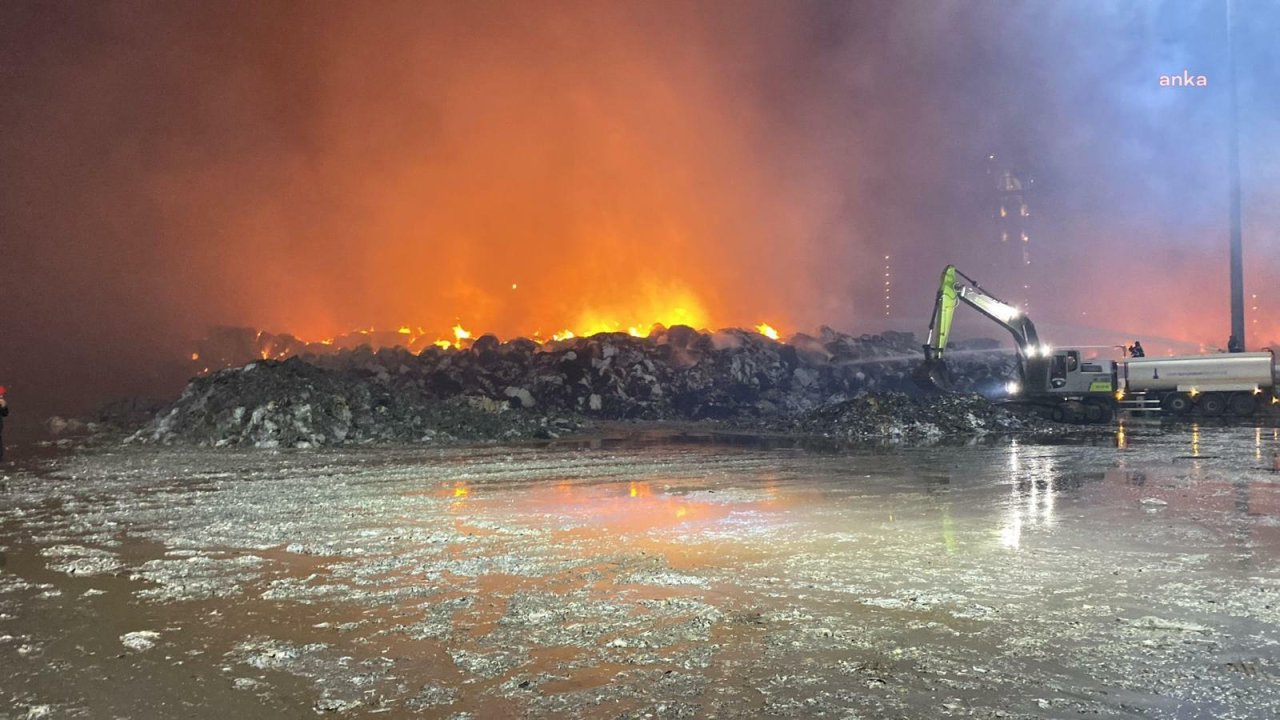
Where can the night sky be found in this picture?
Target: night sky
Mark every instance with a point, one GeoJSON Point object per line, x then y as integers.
{"type": "Point", "coordinates": [317, 167]}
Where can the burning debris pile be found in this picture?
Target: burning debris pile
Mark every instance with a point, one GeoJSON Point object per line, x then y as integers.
{"type": "Point", "coordinates": [225, 347]}
{"type": "Point", "coordinates": [517, 389]}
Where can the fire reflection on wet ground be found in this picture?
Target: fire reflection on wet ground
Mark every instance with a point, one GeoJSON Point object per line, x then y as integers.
{"type": "Point", "coordinates": [1127, 575]}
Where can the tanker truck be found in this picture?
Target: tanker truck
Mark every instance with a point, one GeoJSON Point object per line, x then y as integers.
{"type": "Point", "coordinates": [1066, 385]}
{"type": "Point", "coordinates": [1231, 383]}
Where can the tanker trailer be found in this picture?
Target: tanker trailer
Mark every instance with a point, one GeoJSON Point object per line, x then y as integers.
{"type": "Point", "coordinates": [1235, 383]}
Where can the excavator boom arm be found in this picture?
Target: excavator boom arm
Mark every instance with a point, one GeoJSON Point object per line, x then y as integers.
{"type": "Point", "coordinates": [952, 291]}
{"type": "Point", "coordinates": [944, 309]}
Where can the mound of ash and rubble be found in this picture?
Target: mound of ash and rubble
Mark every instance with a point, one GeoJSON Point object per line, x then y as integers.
{"type": "Point", "coordinates": [832, 384]}
{"type": "Point", "coordinates": [898, 416]}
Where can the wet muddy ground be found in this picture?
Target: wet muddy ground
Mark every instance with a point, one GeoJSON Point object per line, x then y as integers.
{"type": "Point", "coordinates": [1129, 576]}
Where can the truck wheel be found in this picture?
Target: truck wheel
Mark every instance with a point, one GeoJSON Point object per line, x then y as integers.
{"type": "Point", "coordinates": [1058, 414]}
{"type": "Point", "coordinates": [1176, 403]}
{"type": "Point", "coordinates": [1213, 404]}
{"type": "Point", "coordinates": [1242, 404]}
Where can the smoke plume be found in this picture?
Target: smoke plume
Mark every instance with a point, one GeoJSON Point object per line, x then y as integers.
{"type": "Point", "coordinates": [534, 167]}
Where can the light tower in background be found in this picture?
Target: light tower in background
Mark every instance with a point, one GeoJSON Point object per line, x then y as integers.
{"type": "Point", "coordinates": [1011, 261]}
{"type": "Point", "coordinates": [888, 289]}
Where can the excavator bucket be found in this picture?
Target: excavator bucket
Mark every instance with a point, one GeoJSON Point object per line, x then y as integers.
{"type": "Point", "coordinates": [932, 376]}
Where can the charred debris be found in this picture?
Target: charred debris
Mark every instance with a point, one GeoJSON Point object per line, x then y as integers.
{"type": "Point", "coordinates": [831, 385]}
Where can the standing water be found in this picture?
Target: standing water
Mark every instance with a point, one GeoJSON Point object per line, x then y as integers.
{"type": "Point", "coordinates": [1132, 575]}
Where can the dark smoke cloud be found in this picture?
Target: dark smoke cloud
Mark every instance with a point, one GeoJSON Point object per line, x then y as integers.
{"type": "Point", "coordinates": [317, 167]}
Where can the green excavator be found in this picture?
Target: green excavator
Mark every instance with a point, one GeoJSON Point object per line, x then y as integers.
{"type": "Point", "coordinates": [1059, 383]}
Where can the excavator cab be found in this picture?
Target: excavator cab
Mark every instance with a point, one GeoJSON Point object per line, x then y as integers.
{"type": "Point", "coordinates": [1063, 363]}
{"type": "Point", "coordinates": [1070, 374]}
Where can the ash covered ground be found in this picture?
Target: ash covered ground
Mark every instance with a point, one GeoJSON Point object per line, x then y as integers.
{"type": "Point", "coordinates": [832, 384]}
{"type": "Point", "coordinates": [1133, 576]}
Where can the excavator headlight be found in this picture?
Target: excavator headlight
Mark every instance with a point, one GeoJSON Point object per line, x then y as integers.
{"type": "Point", "coordinates": [1030, 351]}
{"type": "Point", "coordinates": [1013, 387]}
{"type": "Point", "coordinates": [1046, 350]}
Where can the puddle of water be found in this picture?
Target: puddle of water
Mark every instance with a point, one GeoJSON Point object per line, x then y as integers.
{"type": "Point", "coordinates": [667, 577]}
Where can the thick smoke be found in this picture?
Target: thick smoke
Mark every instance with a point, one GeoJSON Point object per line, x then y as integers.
{"type": "Point", "coordinates": [315, 168]}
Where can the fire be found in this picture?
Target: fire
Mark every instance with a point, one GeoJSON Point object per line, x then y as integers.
{"type": "Point", "coordinates": [663, 304]}
{"type": "Point", "coordinates": [638, 313]}
{"type": "Point", "coordinates": [221, 349]}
